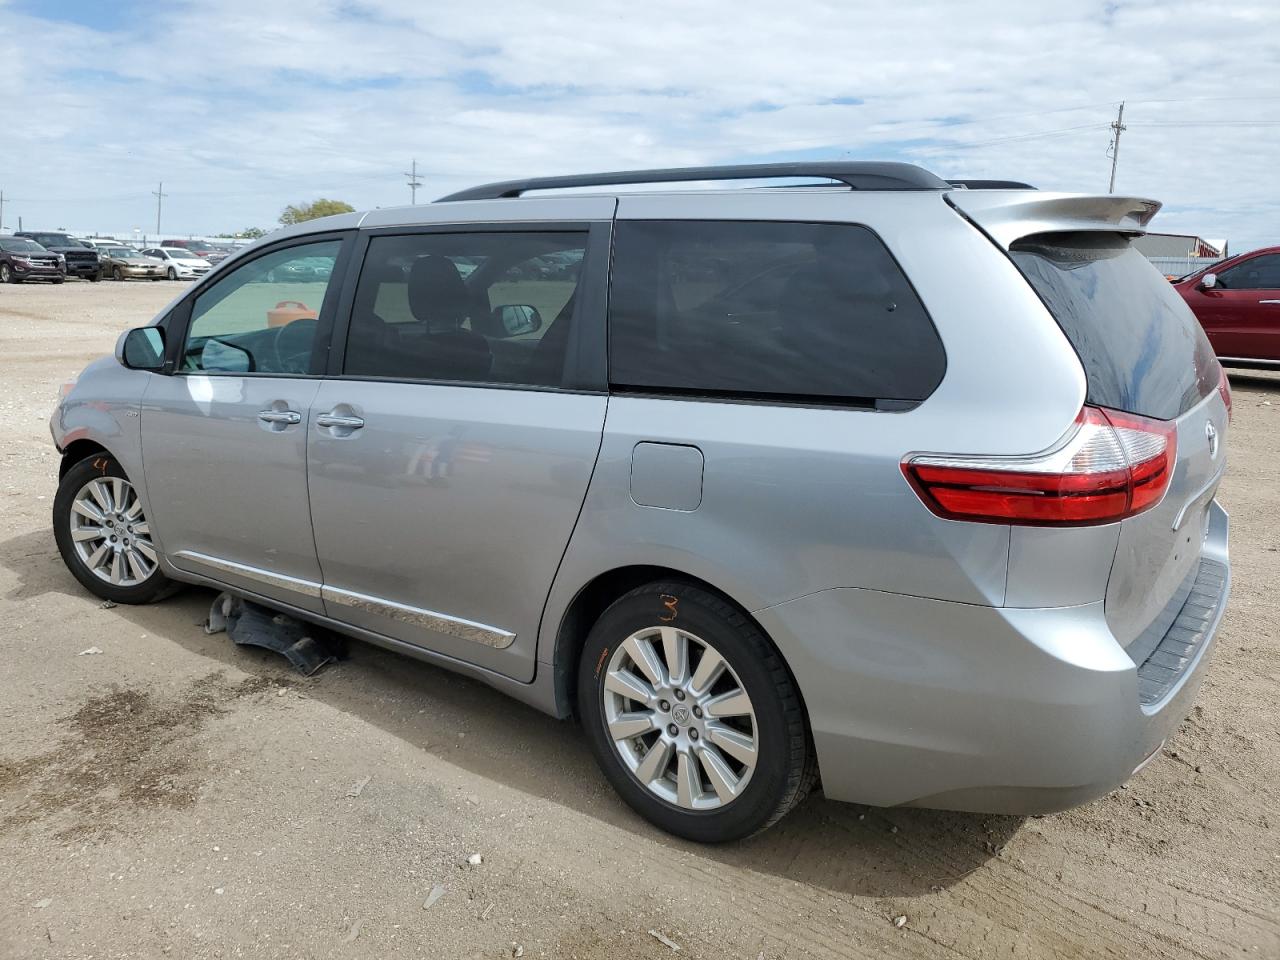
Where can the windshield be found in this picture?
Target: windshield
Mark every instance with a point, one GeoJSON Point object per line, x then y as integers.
{"type": "Point", "coordinates": [21, 246]}
{"type": "Point", "coordinates": [1142, 349]}
{"type": "Point", "coordinates": [119, 252]}
{"type": "Point", "coordinates": [54, 240]}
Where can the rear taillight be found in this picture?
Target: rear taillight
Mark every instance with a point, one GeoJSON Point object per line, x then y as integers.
{"type": "Point", "coordinates": [1111, 466]}
{"type": "Point", "coordinates": [1224, 390]}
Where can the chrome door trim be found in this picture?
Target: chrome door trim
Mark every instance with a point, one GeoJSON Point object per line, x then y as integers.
{"type": "Point", "coordinates": [308, 588]}
{"type": "Point", "coordinates": [416, 616]}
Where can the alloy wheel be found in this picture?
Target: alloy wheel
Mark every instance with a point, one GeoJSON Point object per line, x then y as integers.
{"type": "Point", "coordinates": [680, 719]}
{"type": "Point", "coordinates": [110, 534]}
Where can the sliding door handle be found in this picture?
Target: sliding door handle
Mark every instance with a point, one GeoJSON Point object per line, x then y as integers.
{"type": "Point", "coordinates": [335, 420]}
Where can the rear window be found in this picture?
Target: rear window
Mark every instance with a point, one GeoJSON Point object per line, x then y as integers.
{"type": "Point", "coordinates": [798, 311]}
{"type": "Point", "coordinates": [1142, 348]}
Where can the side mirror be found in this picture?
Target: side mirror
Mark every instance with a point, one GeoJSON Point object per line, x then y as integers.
{"type": "Point", "coordinates": [142, 348]}
{"type": "Point", "coordinates": [1208, 281]}
{"type": "Point", "coordinates": [516, 319]}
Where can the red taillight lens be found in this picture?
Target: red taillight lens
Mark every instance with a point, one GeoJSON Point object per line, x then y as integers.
{"type": "Point", "coordinates": [1111, 466]}
{"type": "Point", "coordinates": [1224, 390]}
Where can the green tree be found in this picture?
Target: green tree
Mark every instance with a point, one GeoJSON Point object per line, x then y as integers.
{"type": "Point", "coordinates": [309, 211]}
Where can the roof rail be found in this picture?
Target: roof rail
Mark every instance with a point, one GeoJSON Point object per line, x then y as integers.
{"type": "Point", "coordinates": [859, 175]}
{"type": "Point", "coordinates": [991, 185]}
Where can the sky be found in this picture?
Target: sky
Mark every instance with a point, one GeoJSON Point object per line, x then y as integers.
{"type": "Point", "coordinates": [241, 108]}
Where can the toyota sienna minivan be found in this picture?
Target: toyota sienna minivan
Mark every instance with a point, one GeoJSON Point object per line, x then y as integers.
{"type": "Point", "coordinates": [895, 484]}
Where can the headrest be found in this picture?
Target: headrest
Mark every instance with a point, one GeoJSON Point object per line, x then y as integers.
{"type": "Point", "coordinates": [437, 295]}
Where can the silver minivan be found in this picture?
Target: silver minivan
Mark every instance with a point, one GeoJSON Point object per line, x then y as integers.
{"type": "Point", "coordinates": [897, 484]}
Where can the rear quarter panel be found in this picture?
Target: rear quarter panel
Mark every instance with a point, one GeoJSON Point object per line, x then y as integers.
{"type": "Point", "coordinates": [799, 499]}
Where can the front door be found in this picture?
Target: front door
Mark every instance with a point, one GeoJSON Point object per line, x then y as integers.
{"type": "Point", "coordinates": [1241, 313]}
{"type": "Point", "coordinates": [449, 460]}
{"type": "Point", "coordinates": [224, 437]}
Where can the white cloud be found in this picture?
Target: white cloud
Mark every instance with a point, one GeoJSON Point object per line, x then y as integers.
{"type": "Point", "coordinates": [243, 107]}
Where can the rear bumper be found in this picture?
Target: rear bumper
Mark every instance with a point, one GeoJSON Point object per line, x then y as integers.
{"type": "Point", "coordinates": [960, 706]}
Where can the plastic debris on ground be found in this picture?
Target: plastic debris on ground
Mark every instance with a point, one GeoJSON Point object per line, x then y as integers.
{"type": "Point", "coordinates": [308, 648]}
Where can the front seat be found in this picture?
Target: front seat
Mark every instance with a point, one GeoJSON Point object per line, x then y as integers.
{"type": "Point", "coordinates": [439, 300]}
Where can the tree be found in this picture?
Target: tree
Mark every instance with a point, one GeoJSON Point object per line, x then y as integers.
{"type": "Point", "coordinates": [248, 233]}
{"type": "Point", "coordinates": [309, 211]}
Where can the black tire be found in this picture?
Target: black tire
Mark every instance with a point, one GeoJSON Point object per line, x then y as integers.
{"type": "Point", "coordinates": [786, 768]}
{"type": "Point", "coordinates": [173, 274]}
{"type": "Point", "coordinates": [94, 278]}
{"type": "Point", "coordinates": [156, 587]}
{"type": "Point", "coordinates": [6, 274]}
{"type": "Point", "coordinates": [118, 274]}
{"type": "Point", "coordinates": [58, 279]}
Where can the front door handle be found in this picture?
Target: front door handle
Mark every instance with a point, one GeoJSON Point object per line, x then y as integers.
{"type": "Point", "coordinates": [336, 420]}
{"type": "Point", "coordinates": [280, 416]}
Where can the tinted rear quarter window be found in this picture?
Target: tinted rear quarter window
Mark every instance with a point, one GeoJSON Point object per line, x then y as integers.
{"type": "Point", "coordinates": [1142, 349]}
{"type": "Point", "coordinates": [768, 310]}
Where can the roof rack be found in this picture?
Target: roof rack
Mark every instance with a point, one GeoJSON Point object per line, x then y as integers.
{"type": "Point", "coordinates": [861, 175]}
{"type": "Point", "coordinates": [991, 185]}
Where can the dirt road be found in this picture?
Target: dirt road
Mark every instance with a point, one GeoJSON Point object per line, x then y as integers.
{"type": "Point", "coordinates": [174, 795]}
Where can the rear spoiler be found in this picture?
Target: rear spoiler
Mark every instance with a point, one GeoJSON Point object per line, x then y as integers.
{"type": "Point", "coordinates": [1007, 215]}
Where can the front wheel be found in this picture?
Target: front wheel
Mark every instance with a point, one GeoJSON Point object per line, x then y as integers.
{"type": "Point", "coordinates": [692, 715]}
{"type": "Point", "coordinates": [173, 274]}
{"type": "Point", "coordinates": [6, 274]}
{"type": "Point", "coordinates": [94, 278]}
{"type": "Point", "coordinates": [104, 536]}
{"type": "Point", "coordinates": [119, 273]}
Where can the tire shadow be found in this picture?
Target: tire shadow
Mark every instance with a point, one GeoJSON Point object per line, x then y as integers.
{"type": "Point", "coordinates": [846, 848]}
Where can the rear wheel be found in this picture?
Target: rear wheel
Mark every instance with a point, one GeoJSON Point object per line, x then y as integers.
{"type": "Point", "coordinates": [692, 715]}
{"type": "Point", "coordinates": [104, 535]}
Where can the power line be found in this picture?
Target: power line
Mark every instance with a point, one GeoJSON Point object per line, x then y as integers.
{"type": "Point", "coordinates": [1061, 131]}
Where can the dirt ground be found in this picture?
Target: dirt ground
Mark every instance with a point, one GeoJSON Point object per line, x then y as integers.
{"type": "Point", "coordinates": [175, 795]}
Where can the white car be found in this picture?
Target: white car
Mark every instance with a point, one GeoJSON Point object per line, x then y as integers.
{"type": "Point", "coordinates": [181, 264]}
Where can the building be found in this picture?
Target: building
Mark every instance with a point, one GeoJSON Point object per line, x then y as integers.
{"type": "Point", "coordinates": [1180, 246]}
{"type": "Point", "coordinates": [1176, 254]}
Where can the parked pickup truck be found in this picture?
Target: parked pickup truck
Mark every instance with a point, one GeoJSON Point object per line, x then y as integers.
{"type": "Point", "coordinates": [82, 258]}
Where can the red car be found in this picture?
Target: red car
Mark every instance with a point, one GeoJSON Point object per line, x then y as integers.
{"type": "Point", "coordinates": [1237, 301]}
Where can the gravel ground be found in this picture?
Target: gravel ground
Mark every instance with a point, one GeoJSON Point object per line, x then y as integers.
{"type": "Point", "coordinates": [174, 795]}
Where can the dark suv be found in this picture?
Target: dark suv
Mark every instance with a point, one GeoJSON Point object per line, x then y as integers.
{"type": "Point", "coordinates": [82, 259]}
{"type": "Point", "coordinates": [22, 259]}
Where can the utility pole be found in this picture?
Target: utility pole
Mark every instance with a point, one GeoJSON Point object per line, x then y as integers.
{"type": "Point", "coordinates": [1, 209]}
{"type": "Point", "coordinates": [1118, 127]}
{"type": "Point", "coordinates": [159, 195]}
{"type": "Point", "coordinates": [414, 182]}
